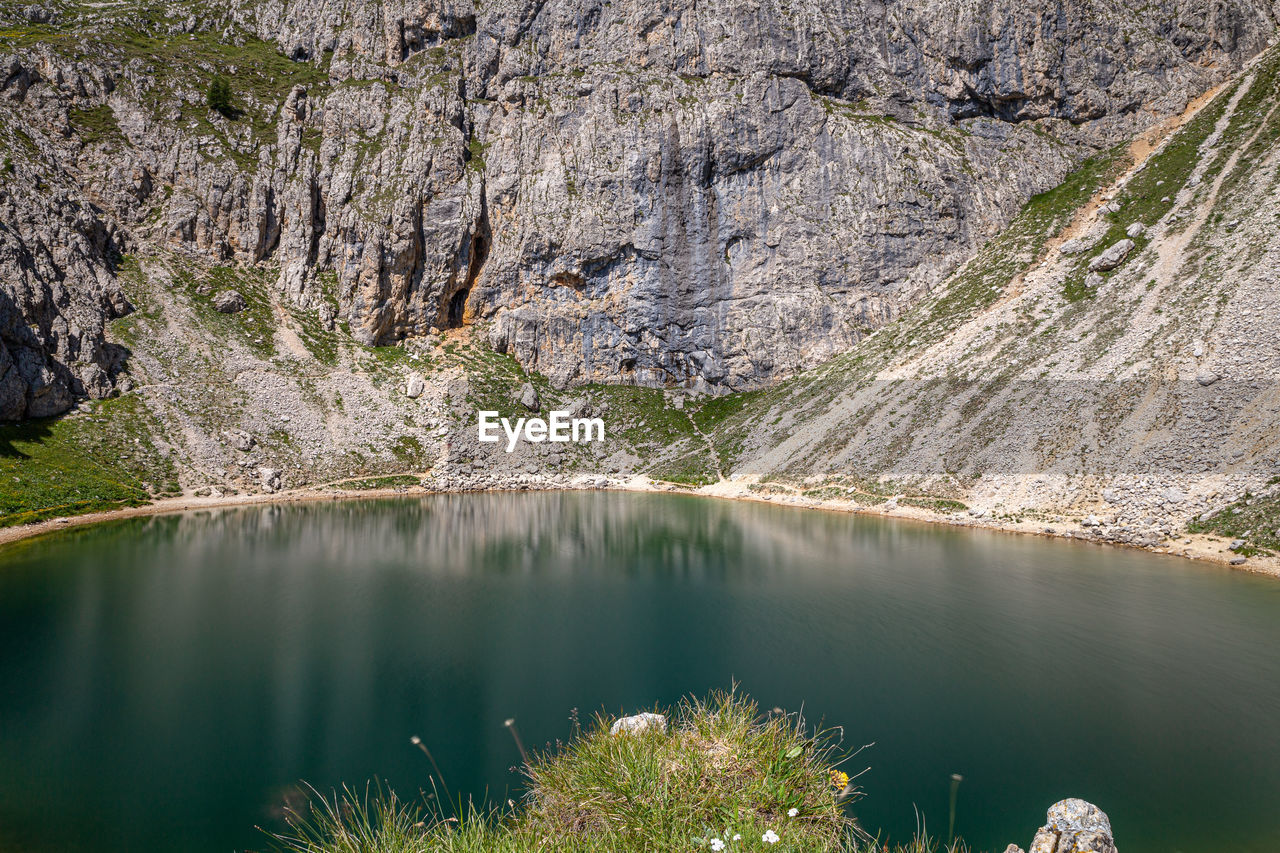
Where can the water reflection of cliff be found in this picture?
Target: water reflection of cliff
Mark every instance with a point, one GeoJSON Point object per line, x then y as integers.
{"type": "Point", "coordinates": [568, 532]}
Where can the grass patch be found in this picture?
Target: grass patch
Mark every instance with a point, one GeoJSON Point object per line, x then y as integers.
{"type": "Point", "coordinates": [935, 504]}
{"type": "Point", "coordinates": [97, 124]}
{"type": "Point", "coordinates": [255, 326]}
{"type": "Point", "coordinates": [1254, 519]}
{"type": "Point", "coordinates": [394, 481]}
{"type": "Point", "coordinates": [82, 463]}
{"type": "Point", "coordinates": [1143, 198]}
{"type": "Point", "coordinates": [722, 769]}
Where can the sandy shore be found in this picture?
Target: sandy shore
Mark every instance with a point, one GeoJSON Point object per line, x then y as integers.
{"type": "Point", "coordinates": [1189, 545]}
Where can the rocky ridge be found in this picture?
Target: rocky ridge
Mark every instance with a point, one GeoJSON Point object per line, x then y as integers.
{"type": "Point", "coordinates": [703, 195]}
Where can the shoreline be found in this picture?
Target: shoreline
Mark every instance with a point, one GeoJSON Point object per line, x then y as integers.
{"type": "Point", "coordinates": [1190, 546]}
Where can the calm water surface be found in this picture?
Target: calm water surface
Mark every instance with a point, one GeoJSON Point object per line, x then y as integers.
{"type": "Point", "coordinates": [165, 683]}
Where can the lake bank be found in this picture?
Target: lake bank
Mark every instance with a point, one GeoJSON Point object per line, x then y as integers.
{"type": "Point", "coordinates": [1192, 546]}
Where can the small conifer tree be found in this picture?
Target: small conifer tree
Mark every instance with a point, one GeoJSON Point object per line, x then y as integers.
{"type": "Point", "coordinates": [220, 96]}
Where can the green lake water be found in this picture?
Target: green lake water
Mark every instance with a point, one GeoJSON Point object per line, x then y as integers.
{"type": "Point", "coordinates": [165, 683]}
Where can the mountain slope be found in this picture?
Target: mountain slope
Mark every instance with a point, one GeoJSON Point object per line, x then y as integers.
{"type": "Point", "coordinates": [1145, 395]}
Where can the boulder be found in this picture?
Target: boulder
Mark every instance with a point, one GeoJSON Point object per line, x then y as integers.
{"type": "Point", "coordinates": [1074, 826]}
{"type": "Point", "coordinates": [1112, 257]}
{"type": "Point", "coordinates": [528, 397]}
{"type": "Point", "coordinates": [270, 479]}
{"type": "Point", "coordinates": [240, 440]}
{"type": "Point", "coordinates": [1135, 230]}
{"type": "Point", "coordinates": [639, 724]}
{"type": "Point", "coordinates": [229, 302]}
{"type": "Point", "coordinates": [414, 386]}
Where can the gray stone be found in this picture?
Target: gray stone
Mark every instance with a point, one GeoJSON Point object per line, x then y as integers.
{"type": "Point", "coordinates": [528, 397]}
{"type": "Point", "coordinates": [240, 440]}
{"type": "Point", "coordinates": [639, 723]}
{"type": "Point", "coordinates": [1093, 280]}
{"type": "Point", "coordinates": [270, 479]}
{"type": "Point", "coordinates": [229, 302]}
{"type": "Point", "coordinates": [1074, 826]}
{"type": "Point", "coordinates": [1207, 378]}
{"type": "Point", "coordinates": [1135, 230]}
{"type": "Point", "coordinates": [1112, 257]}
{"type": "Point", "coordinates": [414, 386]}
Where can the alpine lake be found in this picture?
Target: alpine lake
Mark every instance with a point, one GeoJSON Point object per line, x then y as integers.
{"type": "Point", "coordinates": [169, 682]}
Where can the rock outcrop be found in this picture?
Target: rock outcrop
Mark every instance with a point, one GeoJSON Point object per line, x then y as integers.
{"type": "Point", "coordinates": [702, 194]}
{"type": "Point", "coordinates": [1072, 826]}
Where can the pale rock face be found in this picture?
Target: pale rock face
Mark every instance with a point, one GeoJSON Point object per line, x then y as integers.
{"type": "Point", "coordinates": [700, 194]}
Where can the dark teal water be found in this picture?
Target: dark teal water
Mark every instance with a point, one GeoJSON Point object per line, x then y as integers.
{"type": "Point", "coordinates": [165, 683]}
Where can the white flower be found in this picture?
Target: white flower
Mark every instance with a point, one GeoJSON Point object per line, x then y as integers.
{"type": "Point", "coordinates": [736, 837]}
{"type": "Point", "coordinates": [717, 844]}
{"type": "Point", "coordinates": [792, 812]}
{"type": "Point", "coordinates": [769, 837]}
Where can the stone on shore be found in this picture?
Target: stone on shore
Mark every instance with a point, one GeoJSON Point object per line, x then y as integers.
{"type": "Point", "coordinates": [1074, 826]}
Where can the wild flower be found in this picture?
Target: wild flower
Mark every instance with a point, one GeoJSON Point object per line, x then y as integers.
{"type": "Point", "coordinates": [769, 837]}
{"type": "Point", "coordinates": [717, 844]}
{"type": "Point", "coordinates": [736, 837]}
{"type": "Point", "coordinates": [839, 780]}
{"type": "Point", "coordinates": [792, 812]}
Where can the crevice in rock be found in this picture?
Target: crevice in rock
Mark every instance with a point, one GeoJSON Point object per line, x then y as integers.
{"type": "Point", "coordinates": [453, 308]}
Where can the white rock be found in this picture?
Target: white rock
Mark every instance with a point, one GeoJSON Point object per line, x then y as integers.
{"type": "Point", "coordinates": [1207, 378]}
{"type": "Point", "coordinates": [270, 478]}
{"type": "Point", "coordinates": [528, 397]}
{"type": "Point", "coordinates": [638, 724]}
{"type": "Point", "coordinates": [1137, 229]}
{"type": "Point", "coordinates": [1112, 257]}
{"type": "Point", "coordinates": [414, 387]}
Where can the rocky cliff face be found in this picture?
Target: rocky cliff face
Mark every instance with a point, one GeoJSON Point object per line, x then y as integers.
{"type": "Point", "coordinates": [677, 193]}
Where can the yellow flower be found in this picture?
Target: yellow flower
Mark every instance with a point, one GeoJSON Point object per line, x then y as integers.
{"type": "Point", "coordinates": [839, 780]}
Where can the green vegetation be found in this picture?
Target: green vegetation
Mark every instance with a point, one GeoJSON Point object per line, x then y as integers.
{"type": "Point", "coordinates": [723, 769]}
{"type": "Point", "coordinates": [1150, 193]}
{"type": "Point", "coordinates": [1253, 519]}
{"type": "Point", "coordinates": [255, 326]}
{"type": "Point", "coordinates": [97, 124]}
{"type": "Point", "coordinates": [219, 97]}
{"type": "Point", "coordinates": [102, 460]}
{"type": "Point", "coordinates": [395, 481]}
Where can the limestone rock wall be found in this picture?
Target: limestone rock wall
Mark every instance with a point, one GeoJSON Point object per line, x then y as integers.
{"type": "Point", "coordinates": [711, 194]}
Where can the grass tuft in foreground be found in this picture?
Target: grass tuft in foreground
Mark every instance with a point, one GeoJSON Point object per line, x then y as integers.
{"type": "Point", "coordinates": [724, 776]}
